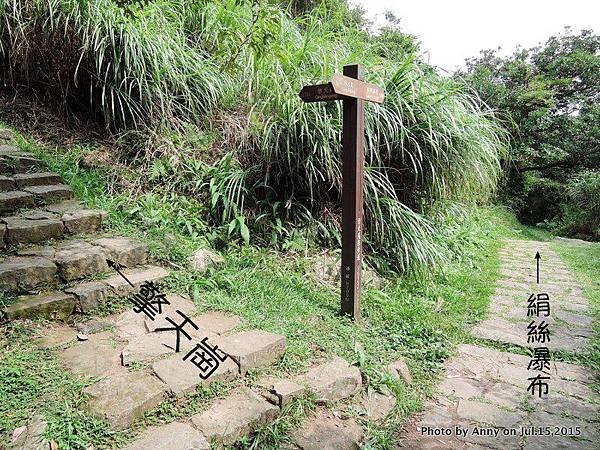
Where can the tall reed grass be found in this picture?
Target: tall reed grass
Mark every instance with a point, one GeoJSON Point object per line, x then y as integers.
{"type": "Point", "coordinates": [173, 62]}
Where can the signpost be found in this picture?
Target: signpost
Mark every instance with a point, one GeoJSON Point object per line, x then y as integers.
{"type": "Point", "coordinates": [353, 91]}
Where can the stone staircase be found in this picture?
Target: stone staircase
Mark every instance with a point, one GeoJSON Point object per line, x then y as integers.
{"type": "Point", "coordinates": [50, 246]}
{"type": "Point", "coordinates": [138, 369]}
{"type": "Point", "coordinates": [54, 266]}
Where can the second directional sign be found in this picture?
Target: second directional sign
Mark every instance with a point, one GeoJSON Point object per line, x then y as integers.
{"type": "Point", "coordinates": [342, 86]}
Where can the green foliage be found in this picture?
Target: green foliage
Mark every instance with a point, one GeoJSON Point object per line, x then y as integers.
{"type": "Point", "coordinates": [583, 258]}
{"type": "Point", "coordinates": [582, 212]}
{"type": "Point", "coordinates": [548, 96]}
{"type": "Point", "coordinates": [274, 164]}
{"type": "Point", "coordinates": [33, 382]}
{"type": "Point", "coordinates": [129, 65]}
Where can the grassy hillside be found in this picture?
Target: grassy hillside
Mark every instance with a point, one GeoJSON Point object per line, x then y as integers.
{"type": "Point", "coordinates": [203, 97]}
{"type": "Point", "coordinates": [420, 317]}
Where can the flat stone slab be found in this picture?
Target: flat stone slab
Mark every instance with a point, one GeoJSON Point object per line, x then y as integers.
{"type": "Point", "coordinates": [24, 180]}
{"type": "Point", "coordinates": [488, 389]}
{"type": "Point", "coordinates": [56, 336]}
{"type": "Point", "coordinates": [95, 325]}
{"type": "Point", "coordinates": [64, 207]}
{"type": "Point", "coordinates": [281, 391]}
{"type": "Point", "coordinates": [217, 322]}
{"type": "Point", "coordinates": [24, 230]}
{"type": "Point", "coordinates": [129, 324]}
{"type": "Point", "coordinates": [97, 356]}
{"type": "Point", "coordinates": [79, 259]}
{"type": "Point", "coordinates": [377, 406]}
{"type": "Point", "coordinates": [20, 274]}
{"type": "Point", "coordinates": [8, 149]}
{"type": "Point", "coordinates": [126, 251]}
{"type": "Point", "coordinates": [174, 435]}
{"type": "Point", "coordinates": [176, 302]}
{"type": "Point", "coordinates": [238, 415]}
{"type": "Point", "coordinates": [90, 294]}
{"type": "Point", "coordinates": [151, 346]}
{"type": "Point", "coordinates": [136, 277]}
{"type": "Point", "coordinates": [324, 431]}
{"type": "Point", "coordinates": [183, 376]}
{"type": "Point", "coordinates": [13, 200]}
{"type": "Point", "coordinates": [82, 221]}
{"type": "Point", "coordinates": [56, 305]}
{"type": "Point", "coordinates": [332, 381]}
{"type": "Point", "coordinates": [255, 348]}
{"type": "Point", "coordinates": [124, 397]}
{"type": "Point", "coordinates": [562, 337]}
{"type": "Point", "coordinates": [50, 193]}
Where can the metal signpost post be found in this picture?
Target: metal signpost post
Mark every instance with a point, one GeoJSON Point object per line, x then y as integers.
{"type": "Point", "coordinates": [353, 91]}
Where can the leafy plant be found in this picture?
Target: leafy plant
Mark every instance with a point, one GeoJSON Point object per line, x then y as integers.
{"type": "Point", "coordinates": [233, 70]}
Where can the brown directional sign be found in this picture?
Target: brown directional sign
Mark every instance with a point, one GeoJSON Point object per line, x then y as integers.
{"type": "Point", "coordinates": [350, 88]}
{"type": "Point", "coordinates": [319, 93]}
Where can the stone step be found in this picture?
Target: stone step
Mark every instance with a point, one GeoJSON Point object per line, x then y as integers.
{"type": "Point", "coordinates": [23, 180]}
{"type": "Point", "coordinates": [39, 272]}
{"type": "Point", "coordinates": [234, 417]}
{"type": "Point", "coordinates": [253, 348]}
{"type": "Point", "coordinates": [323, 430]}
{"type": "Point", "coordinates": [333, 380]}
{"type": "Point", "coordinates": [56, 305]}
{"type": "Point", "coordinates": [7, 184]}
{"type": "Point", "coordinates": [97, 356]}
{"type": "Point", "coordinates": [170, 436]}
{"type": "Point", "coordinates": [125, 251]}
{"type": "Point", "coordinates": [39, 225]}
{"type": "Point", "coordinates": [137, 277]}
{"type": "Point", "coordinates": [32, 227]}
{"type": "Point", "coordinates": [15, 200]}
{"type": "Point", "coordinates": [51, 193]}
{"type": "Point", "coordinates": [77, 218]}
{"type": "Point", "coordinates": [123, 397]}
{"type": "Point", "coordinates": [90, 294]}
{"type": "Point", "coordinates": [22, 274]}
{"type": "Point", "coordinates": [40, 266]}
{"type": "Point", "coordinates": [13, 162]}
{"type": "Point", "coordinates": [280, 391]}
{"type": "Point", "coordinates": [29, 196]}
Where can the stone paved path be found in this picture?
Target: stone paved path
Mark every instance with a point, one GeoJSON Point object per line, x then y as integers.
{"type": "Point", "coordinates": [484, 392]}
{"type": "Point", "coordinates": [570, 323]}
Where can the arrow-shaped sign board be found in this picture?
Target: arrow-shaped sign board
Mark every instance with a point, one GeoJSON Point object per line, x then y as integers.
{"type": "Point", "coordinates": [319, 93]}
{"type": "Point", "coordinates": [342, 86]}
{"type": "Point", "coordinates": [351, 87]}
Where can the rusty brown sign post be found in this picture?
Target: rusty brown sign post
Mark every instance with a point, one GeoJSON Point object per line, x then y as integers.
{"type": "Point", "coordinates": [353, 91]}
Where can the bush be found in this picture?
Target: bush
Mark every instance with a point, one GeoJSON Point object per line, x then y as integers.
{"type": "Point", "coordinates": [541, 199]}
{"type": "Point", "coordinates": [234, 69]}
{"type": "Point", "coordinates": [581, 214]}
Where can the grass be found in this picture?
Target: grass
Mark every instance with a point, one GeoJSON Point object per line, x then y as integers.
{"type": "Point", "coordinates": [584, 261]}
{"type": "Point", "coordinates": [33, 382]}
{"type": "Point", "coordinates": [421, 317]}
